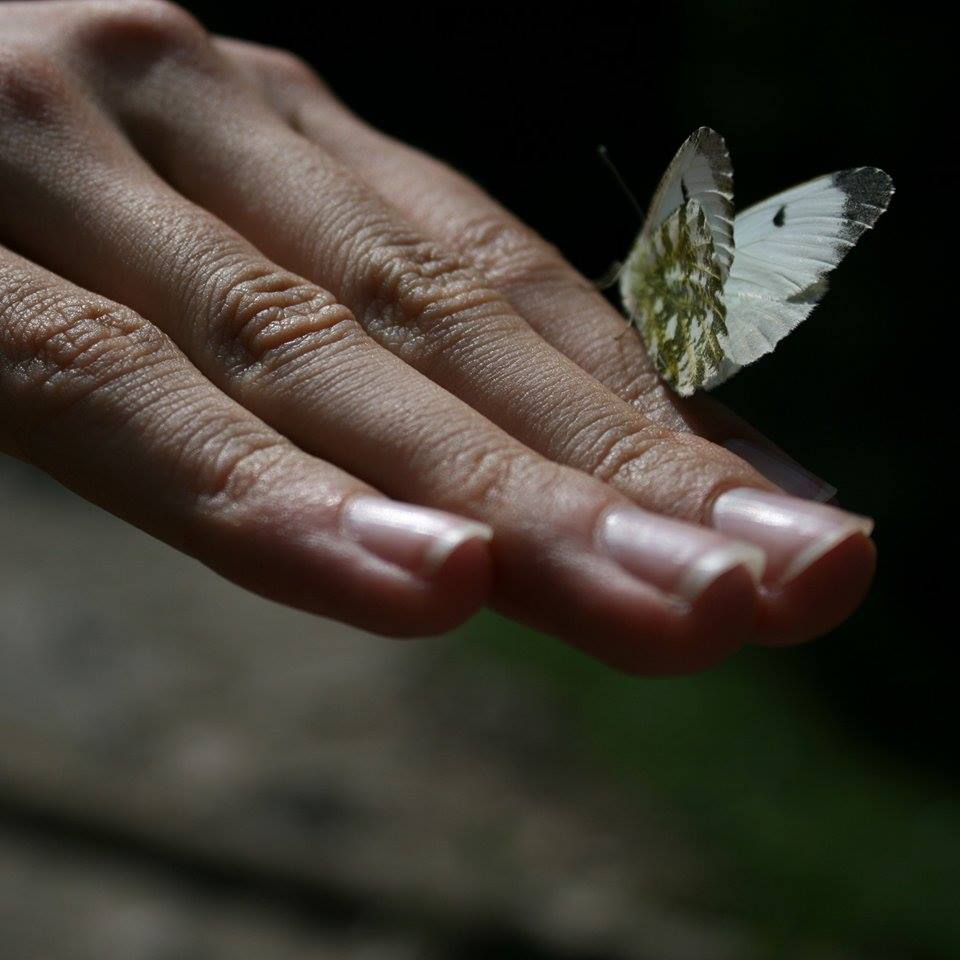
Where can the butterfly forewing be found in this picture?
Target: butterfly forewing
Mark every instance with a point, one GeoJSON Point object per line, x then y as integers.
{"type": "Point", "coordinates": [785, 247]}
{"type": "Point", "coordinates": [673, 293]}
{"type": "Point", "coordinates": [702, 171]}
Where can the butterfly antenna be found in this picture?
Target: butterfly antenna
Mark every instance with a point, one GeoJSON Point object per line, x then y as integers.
{"type": "Point", "coordinates": [605, 157]}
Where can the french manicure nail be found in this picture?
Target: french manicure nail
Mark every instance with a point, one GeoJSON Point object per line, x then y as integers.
{"type": "Point", "coordinates": [780, 469]}
{"type": "Point", "coordinates": [676, 557]}
{"type": "Point", "coordinates": [416, 538]}
{"type": "Point", "coordinates": [793, 533]}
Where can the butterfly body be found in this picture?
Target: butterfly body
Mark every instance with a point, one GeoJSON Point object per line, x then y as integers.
{"type": "Point", "coordinates": [710, 292]}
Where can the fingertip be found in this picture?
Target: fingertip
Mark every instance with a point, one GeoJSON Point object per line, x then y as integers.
{"type": "Point", "coordinates": [713, 628]}
{"type": "Point", "coordinates": [467, 571]}
{"type": "Point", "coordinates": [650, 633]}
{"type": "Point", "coordinates": [822, 596]}
{"type": "Point", "coordinates": [389, 568]}
{"type": "Point", "coordinates": [450, 595]}
{"type": "Point", "coordinates": [723, 619]}
{"type": "Point", "coordinates": [820, 560]}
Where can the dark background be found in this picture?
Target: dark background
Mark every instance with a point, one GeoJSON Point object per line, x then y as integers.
{"type": "Point", "coordinates": [519, 96]}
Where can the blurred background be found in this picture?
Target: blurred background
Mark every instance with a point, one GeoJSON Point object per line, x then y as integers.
{"type": "Point", "coordinates": [187, 771]}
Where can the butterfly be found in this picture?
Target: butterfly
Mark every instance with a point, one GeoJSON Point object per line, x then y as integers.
{"type": "Point", "coordinates": [710, 292]}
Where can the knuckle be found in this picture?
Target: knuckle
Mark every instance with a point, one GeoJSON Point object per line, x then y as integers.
{"type": "Point", "coordinates": [419, 293]}
{"type": "Point", "coordinates": [645, 390]}
{"type": "Point", "coordinates": [488, 478]}
{"type": "Point", "coordinates": [69, 348]}
{"type": "Point", "coordinates": [129, 35]}
{"type": "Point", "coordinates": [156, 22]}
{"type": "Point", "coordinates": [634, 378]}
{"type": "Point", "coordinates": [509, 253]}
{"type": "Point", "coordinates": [231, 468]}
{"type": "Point", "coordinates": [676, 474]}
{"type": "Point", "coordinates": [33, 86]}
{"type": "Point", "coordinates": [631, 375]}
{"type": "Point", "coordinates": [616, 452]}
{"type": "Point", "coordinates": [92, 341]}
{"type": "Point", "coordinates": [263, 317]}
{"type": "Point", "coordinates": [608, 450]}
{"type": "Point", "coordinates": [287, 67]}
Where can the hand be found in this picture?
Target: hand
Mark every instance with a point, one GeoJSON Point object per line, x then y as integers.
{"type": "Point", "coordinates": [242, 320]}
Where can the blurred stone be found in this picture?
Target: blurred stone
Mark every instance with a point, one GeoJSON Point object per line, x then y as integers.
{"type": "Point", "coordinates": [57, 904]}
{"type": "Point", "coordinates": [144, 698]}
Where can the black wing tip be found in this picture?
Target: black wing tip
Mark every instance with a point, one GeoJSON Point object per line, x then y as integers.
{"type": "Point", "coordinates": [866, 194]}
{"type": "Point", "coordinates": [707, 135]}
{"type": "Point", "coordinates": [868, 186]}
{"type": "Point", "coordinates": [708, 142]}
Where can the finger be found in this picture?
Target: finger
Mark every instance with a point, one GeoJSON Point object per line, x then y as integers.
{"type": "Point", "coordinates": [107, 404]}
{"type": "Point", "coordinates": [571, 556]}
{"type": "Point", "coordinates": [558, 302]}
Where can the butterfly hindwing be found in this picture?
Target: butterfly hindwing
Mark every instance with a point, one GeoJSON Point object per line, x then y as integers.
{"type": "Point", "coordinates": [785, 247]}
{"type": "Point", "coordinates": [673, 292]}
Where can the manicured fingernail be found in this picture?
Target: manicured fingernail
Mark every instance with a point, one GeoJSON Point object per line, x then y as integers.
{"type": "Point", "coordinates": [676, 557]}
{"type": "Point", "coordinates": [778, 468]}
{"type": "Point", "coordinates": [416, 538]}
{"type": "Point", "coordinates": [793, 533]}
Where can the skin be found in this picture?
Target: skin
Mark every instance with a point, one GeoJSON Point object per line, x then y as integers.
{"type": "Point", "coordinates": [228, 306]}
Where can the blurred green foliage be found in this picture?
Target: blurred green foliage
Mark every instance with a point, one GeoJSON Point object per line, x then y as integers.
{"type": "Point", "coordinates": [822, 839]}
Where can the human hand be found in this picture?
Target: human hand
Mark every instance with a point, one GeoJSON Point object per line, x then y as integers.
{"type": "Point", "coordinates": [241, 319]}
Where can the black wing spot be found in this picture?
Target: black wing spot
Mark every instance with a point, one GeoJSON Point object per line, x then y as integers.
{"type": "Point", "coordinates": [684, 192]}
{"type": "Point", "coordinates": [780, 217]}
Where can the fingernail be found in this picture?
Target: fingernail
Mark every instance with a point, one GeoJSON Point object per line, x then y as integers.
{"type": "Point", "coordinates": [677, 557]}
{"type": "Point", "coordinates": [793, 533]}
{"type": "Point", "coordinates": [780, 469]}
{"type": "Point", "coordinates": [416, 538]}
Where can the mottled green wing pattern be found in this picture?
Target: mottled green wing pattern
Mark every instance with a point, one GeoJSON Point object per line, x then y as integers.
{"type": "Point", "coordinates": [673, 293]}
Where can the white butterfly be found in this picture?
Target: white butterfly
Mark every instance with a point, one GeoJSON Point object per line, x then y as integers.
{"type": "Point", "coordinates": [710, 292]}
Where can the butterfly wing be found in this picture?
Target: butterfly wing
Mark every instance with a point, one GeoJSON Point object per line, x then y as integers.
{"type": "Point", "coordinates": [785, 247]}
{"type": "Point", "coordinates": [701, 170]}
{"type": "Point", "coordinates": [673, 293]}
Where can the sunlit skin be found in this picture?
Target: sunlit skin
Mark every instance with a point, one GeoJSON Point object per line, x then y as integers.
{"type": "Point", "coordinates": [232, 313]}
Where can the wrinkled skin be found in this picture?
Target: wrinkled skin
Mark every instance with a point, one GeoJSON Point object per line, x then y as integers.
{"type": "Point", "coordinates": [228, 308]}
